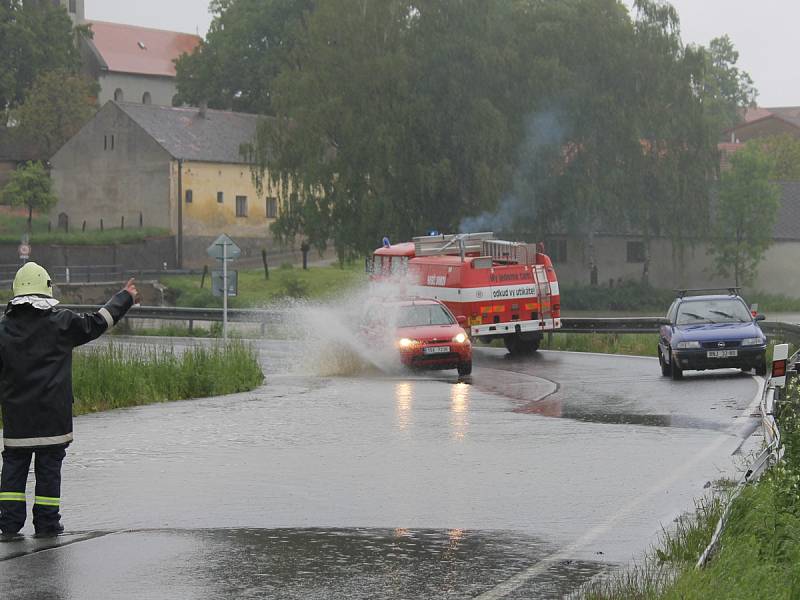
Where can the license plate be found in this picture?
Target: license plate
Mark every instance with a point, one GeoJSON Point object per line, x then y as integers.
{"type": "Point", "coordinates": [437, 350]}
{"type": "Point", "coordinates": [722, 353]}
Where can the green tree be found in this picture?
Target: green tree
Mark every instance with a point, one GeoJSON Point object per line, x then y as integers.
{"type": "Point", "coordinates": [726, 89]}
{"type": "Point", "coordinates": [30, 186]}
{"type": "Point", "coordinates": [784, 152]}
{"type": "Point", "coordinates": [35, 36]}
{"type": "Point", "coordinates": [247, 45]}
{"type": "Point", "coordinates": [56, 107]}
{"type": "Point", "coordinates": [745, 215]}
{"type": "Point", "coordinates": [401, 117]}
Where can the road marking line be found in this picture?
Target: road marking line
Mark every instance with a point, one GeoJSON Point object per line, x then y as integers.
{"type": "Point", "coordinates": [517, 581]}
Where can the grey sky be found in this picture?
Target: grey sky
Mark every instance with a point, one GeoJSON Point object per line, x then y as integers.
{"type": "Point", "coordinates": [764, 32]}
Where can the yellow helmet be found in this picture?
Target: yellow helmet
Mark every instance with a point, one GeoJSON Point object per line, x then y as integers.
{"type": "Point", "coordinates": [32, 279]}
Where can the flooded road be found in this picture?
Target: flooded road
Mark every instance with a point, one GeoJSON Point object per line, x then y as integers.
{"type": "Point", "coordinates": [523, 482]}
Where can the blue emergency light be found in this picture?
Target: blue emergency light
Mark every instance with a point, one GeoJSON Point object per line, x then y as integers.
{"type": "Point", "coordinates": [386, 242]}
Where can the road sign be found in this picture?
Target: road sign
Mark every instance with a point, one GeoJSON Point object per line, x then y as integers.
{"type": "Point", "coordinates": [217, 285]}
{"type": "Point", "coordinates": [24, 251]}
{"type": "Point", "coordinates": [224, 245]}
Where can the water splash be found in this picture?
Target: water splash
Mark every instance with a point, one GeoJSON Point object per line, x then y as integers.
{"type": "Point", "coordinates": [354, 334]}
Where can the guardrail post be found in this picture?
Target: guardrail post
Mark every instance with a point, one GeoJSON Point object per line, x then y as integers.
{"type": "Point", "coordinates": [191, 325]}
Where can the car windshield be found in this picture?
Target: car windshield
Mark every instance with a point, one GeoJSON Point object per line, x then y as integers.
{"type": "Point", "coordinates": [713, 311]}
{"type": "Point", "coordinates": [423, 314]}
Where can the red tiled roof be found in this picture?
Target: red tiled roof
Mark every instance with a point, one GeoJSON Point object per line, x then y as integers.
{"type": "Point", "coordinates": [131, 49]}
{"type": "Point", "coordinates": [755, 113]}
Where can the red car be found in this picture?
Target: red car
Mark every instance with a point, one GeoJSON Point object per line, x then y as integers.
{"type": "Point", "coordinates": [427, 335]}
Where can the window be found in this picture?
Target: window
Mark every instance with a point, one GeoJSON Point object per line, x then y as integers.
{"type": "Point", "coordinates": [146, 99]}
{"type": "Point", "coordinates": [635, 252]}
{"type": "Point", "coordinates": [220, 197]}
{"type": "Point", "coordinates": [557, 250]}
{"type": "Point", "coordinates": [118, 95]}
{"type": "Point", "coordinates": [241, 206]}
{"type": "Point", "coordinates": [105, 142]}
{"type": "Point", "coordinates": [272, 208]}
{"type": "Point", "coordinates": [188, 196]}
{"type": "Point", "coordinates": [108, 142]}
{"type": "Point", "coordinates": [72, 8]}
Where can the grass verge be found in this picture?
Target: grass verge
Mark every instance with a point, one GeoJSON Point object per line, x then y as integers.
{"type": "Point", "coordinates": [632, 344]}
{"type": "Point", "coordinates": [115, 377]}
{"type": "Point", "coordinates": [256, 291]}
{"type": "Point", "coordinates": [759, 551]}
{"type": "Point", "coordinates": [13, 225]}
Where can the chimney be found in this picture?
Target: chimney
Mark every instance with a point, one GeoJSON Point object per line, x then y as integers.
{"type": "Point", "coordinates": [202, 109]}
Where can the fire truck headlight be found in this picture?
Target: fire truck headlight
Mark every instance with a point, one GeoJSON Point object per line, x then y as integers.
{"type": "Point", "coordinates": [405, 343]}
{"type": "Point", "coordinates": [460, 338]}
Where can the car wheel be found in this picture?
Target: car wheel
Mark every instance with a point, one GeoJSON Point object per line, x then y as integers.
{"type": "Point", "coordinates": [761, 369]}
{"type": "Point", "coordinates": [675, 370]}
{"type": "Point", "coordinates": [465, 368]}
{"type": "Point", "coordinates": [662, 363]}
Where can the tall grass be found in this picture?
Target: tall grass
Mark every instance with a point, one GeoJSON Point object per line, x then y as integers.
{"type": "Point", "coordinates": [116, 376]}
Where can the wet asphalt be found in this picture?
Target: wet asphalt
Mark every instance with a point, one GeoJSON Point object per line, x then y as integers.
{"type": "Point", "coordinates": [524, 481]}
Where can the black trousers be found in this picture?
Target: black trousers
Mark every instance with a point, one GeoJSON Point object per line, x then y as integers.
{"type": "Point", "coordinates": [47, 468]}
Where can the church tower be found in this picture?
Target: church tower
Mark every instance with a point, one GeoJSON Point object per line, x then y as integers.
{"type": "Point", "coordinates": [76, 10]}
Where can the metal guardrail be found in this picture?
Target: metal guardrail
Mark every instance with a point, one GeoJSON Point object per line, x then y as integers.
{"type": "Point", "coordinates": [170, 313]}
{"type": "Point", "coordinates": [611, 324]}
{"type": "Point", "coordinates": [770, 454]}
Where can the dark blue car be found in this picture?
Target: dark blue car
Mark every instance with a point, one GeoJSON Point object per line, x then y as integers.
{"type": "Point", "coordinates": [711, 332]}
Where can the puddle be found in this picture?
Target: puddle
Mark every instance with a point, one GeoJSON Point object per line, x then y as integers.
{"type": "Point", "coordinates": [306, 564]}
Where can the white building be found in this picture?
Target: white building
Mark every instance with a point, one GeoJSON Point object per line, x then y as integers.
{"type": "Point", "coordinates": [131, 64]}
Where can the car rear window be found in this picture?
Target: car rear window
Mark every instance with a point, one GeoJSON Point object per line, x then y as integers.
{"type": "Point", "coordinates": [423, 314]}
{"type": "Point", "coordinates": [713, 311]}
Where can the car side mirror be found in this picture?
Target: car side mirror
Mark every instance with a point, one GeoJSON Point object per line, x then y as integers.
{"type": "Point", "coordinates": [462, 320]}
{"type": "Point", "coordinates": [761, 318]}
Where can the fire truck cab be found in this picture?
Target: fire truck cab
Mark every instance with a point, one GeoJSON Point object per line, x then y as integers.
{"type": "Point", "coordinates": [502, 289]}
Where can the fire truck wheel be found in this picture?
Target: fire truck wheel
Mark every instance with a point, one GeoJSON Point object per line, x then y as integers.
{"type": "Point", "coordinates": [465, 368]}
{"type": "Point", "coordinates": [512, 343]}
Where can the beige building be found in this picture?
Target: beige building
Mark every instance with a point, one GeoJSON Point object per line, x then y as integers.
{"type": "Point", "coordinates": [176, 168]}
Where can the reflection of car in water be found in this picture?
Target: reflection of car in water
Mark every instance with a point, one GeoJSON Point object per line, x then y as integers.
{"type": "Point", "coordinates": [425, 333]}
{"type": "Point", "coordinates": [711, 332]}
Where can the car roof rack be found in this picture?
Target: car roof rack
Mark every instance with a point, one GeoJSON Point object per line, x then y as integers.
{"type": "Point", "coordinates": [732, 290]}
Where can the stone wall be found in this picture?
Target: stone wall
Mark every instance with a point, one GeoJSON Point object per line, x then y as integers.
{"type": "Point", "coordinates": [149, 254]}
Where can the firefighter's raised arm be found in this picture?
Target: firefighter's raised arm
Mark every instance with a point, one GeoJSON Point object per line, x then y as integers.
{"type": "Point", "coordinates": [83, 328]}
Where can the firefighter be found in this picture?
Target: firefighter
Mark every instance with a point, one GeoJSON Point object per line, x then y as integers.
{"type": "Point", "coordinates": [36, 342]}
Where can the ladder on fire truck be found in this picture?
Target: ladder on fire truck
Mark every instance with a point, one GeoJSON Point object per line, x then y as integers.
{"type": "Point", "coordinates": [502, 251]}
{"type": "Point", "coordinates": [450, 244]}
{"type": "Point", "coordinates": [476, 244]}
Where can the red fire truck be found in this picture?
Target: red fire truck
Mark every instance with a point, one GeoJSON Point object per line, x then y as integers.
{"type": "Point", "coordinates": [502, 289]}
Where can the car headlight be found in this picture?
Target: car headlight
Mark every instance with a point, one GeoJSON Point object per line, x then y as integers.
{"type": "Point", "coordinates": [687, 345]}
{"type": "Point", "coordinates": [752, 342]}
{"type": "Point", "coordinates": [460, 338]}
{"type": "Point", "coordinates": [406, 343]}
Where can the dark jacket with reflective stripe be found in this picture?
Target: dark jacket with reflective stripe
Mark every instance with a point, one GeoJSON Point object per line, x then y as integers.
{"type": "Point", "coordinates": [36, 368]}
